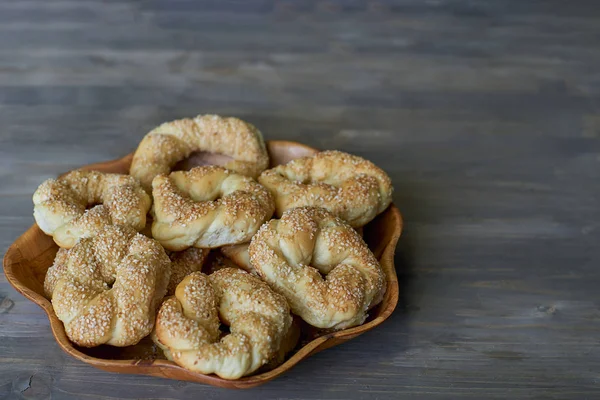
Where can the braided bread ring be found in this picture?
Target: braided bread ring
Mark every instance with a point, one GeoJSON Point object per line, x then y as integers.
{"type": "Point", "coordinates": [174, 141]}
{"type": "Point", "coordinates": [348, 186]}
{"type": "Point", "coordinates": [290, 254]}
{"type": "Point", "coordinates": [207, 207]}
{"type": "Point", "coordinates": [187, 325]}
{"type": "Point", "coordinates": [106, 289]}
{"type": "Point", "coordinates": [60, 205]}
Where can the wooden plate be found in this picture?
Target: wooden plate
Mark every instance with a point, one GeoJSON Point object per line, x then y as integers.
{"type": "Point", "coordinates": [28, 258]}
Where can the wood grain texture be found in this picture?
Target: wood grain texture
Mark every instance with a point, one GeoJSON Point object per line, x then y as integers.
{"type": "Point", "coordinates": [485, 113]}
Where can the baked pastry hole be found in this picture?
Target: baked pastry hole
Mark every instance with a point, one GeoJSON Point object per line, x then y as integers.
{"type": "Point", "coordinates": [202, 158]}
{"type": "Point", "coordinates": [224, 329]}
{"type": "Point", "coordinates": [92, 205]}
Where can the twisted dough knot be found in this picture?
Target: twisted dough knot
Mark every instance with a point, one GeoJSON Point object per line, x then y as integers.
{"type": "Point", "coordinates": [348, 186]}
{"type": "Point", "coordinates": [174, 141]}
{"type": "Point", "coordinates": [187, 325]}
{"type": "Point", "coordinates": [207, 207]}
{"type": "Point", "coordinates": [290, 254]}
{"type": "Point", "coordinates": [60, 205]}
{"type": "Point", "coordinates": [106, 289]}
{"type": "Point", "coordinates": [239, 256]}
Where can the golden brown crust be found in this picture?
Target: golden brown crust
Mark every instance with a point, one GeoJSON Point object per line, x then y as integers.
{"type": "Point", "coordinates": [187, 325]}
{"type": "Point", "coordinates": [348, 186]}
{"type": "Point", "coordinates": [106, 289]}
{"type": "Point", "coordinates": [60, 205]}
{"type": "Point", "coordinates": [173, 141]}
{"type": "Point", "coordinates": [292, 254]}
{"type": "Point", "coordinates": [207, 207]}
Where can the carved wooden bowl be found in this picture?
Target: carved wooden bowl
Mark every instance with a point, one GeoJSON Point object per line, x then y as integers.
{"type": "Point", "coordinates": [30, 256]}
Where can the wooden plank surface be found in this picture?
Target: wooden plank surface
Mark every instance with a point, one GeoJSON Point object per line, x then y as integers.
{"type": "Point", "coordinates": [485, 113]}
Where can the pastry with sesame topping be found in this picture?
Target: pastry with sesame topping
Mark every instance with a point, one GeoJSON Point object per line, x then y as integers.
{"type": "Point", "coordinates": [348, 186]}
{"type": "Point", "coordinates": [184, 263]}
{"type": "Point", "coordinates": [174, 141]}
{"type": "Point", "coordinates": [106, 289]}
{"type": "Point", "coordinates": [321, 265]}
{"type": "Point", "coordinates": [259, 320]}
{"type": "Point", "coordinates": [60, 205]}
{"type": "Point", "coordinates": [238, 255]}
{"type": "Point", "coordinates": [207, 207]}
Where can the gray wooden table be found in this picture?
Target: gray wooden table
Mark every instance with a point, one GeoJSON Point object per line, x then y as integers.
{"type": "Point", "coordinates": [485, 113]}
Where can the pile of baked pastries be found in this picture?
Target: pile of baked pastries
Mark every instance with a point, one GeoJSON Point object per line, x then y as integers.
{"type": "Point", "coordinates": [285, 241]}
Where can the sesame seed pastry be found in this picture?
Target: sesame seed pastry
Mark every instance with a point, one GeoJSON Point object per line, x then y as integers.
{"type": "Point", "coordinates": [348, 186]}
{"type": "Point", "coordinates": [187, 324]}
{"type": "Point", "coordinates": [106, 289]}
{"type": "Point", "coordinates": [184, 263]}
{"type": "Point", "coordinates": [60, 205]}
{"type": "Point", "coordinates": [321, 265]}
{"type": "Point", "coordinates": [174, 141]}
{"type": "Point", "coordinates": [239, 256]}
{"type": "Point", "coordinates": [207, 207]}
